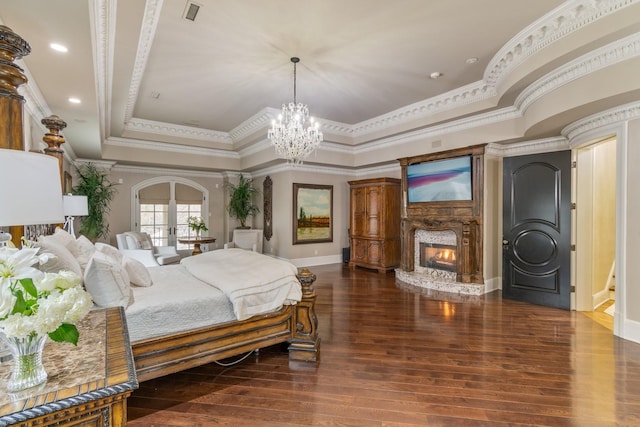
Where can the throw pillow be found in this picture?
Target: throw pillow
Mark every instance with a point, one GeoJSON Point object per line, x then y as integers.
{"type": "Point", "coordinates": [63, 260]}
{"type": "Point", "coordinates": [85, 250]}
{"type": "Point", "coordinates": [62, 238]}
{"type": "Point", "coordinates": [138, 273]}
{"type": "Point", "coordinates": [107, 281]}
{"type": "Point", "coordinates": [110, 250]}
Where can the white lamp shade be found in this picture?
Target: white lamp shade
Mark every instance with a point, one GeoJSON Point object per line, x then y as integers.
{"type": "Point", "coordinates": [75, 205]}
{"type": "Point", "coordinates": [30, 189]}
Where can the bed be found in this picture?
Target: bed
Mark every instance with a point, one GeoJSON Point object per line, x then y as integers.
{"type": "Point", "coordinates": [204, 309]}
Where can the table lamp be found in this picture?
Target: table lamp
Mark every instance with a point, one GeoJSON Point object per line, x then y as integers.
{"type": "Point", "coordinates": [30, 190]}
{"type": "Point", "coordinates": [73, 206]}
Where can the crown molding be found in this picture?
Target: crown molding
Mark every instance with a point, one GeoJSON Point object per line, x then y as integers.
{"type": "Point", "coordinates": [606, 56]}
{"type": "Point", "coordinates": [474, 92]}
{"type": "Point", "coordinates": [600, 121]}
{"type": "Point", "coordinates": [571, 16]}
{"type": "Point", "coordinates": [177, 131]}
{"type": "Point", "coordinates": [170, 147]}
{"type": "Point", "coordinates": [103, 21]}
{"type": "Point", "coordinates": [100, 164]}
{"type": "Point", "coordinates": [491, 117]}
{"type": "Point", "coordinates": [166, 171]}
{"type": "Point", "coordinates": [152, 11]}
{"type": "Point", "coordinates": [544, 145]}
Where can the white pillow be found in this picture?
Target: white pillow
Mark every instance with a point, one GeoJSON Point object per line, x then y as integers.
{"type": "Point", "coordinates": [110, 250]}
{"type": "Point", "coordinates": [64, 259]}
{"type": "Point", "coordinates": [85, 250]}
{"type": "Point", "coordinates": [138, 273]}
{"type": "Point", "coordinates": [107, 281]}
{"type": "Point", "coordinates": [62, 238]}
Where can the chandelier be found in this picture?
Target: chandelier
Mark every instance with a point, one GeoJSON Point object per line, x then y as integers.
{"type": "Point", "coordinates": [290, 136]}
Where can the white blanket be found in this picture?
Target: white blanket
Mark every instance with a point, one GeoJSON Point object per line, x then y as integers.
{"type": "Point", "coordinates": [254, 283]}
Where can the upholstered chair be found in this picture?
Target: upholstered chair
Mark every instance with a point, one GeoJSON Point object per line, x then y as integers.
{"type": "Point", "coordinates": [139, 246]}
{"type": "Point", "coordinates": [246, 239]}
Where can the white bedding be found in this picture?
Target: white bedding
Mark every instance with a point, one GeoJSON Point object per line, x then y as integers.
{"type": "Point", "coordinates": [175, 299]}
{"type": "Point", "coordinates": [254, 283]}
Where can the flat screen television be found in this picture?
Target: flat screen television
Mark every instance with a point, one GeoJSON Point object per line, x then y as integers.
{"type": "Point", "coordinates": [439, 180]}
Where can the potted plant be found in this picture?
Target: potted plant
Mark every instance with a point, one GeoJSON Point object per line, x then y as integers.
{"type": "Point", "coordinates": [95, 184]}
{"type": "Point", "coordinates": [241, 204]}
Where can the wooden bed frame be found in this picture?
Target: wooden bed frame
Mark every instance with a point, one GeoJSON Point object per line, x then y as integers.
{"type": "Point", "coordinates": [296, 324]}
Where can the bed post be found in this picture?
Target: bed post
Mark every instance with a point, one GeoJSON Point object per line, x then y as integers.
{"type": "Point", "coordinates": [305, 344]}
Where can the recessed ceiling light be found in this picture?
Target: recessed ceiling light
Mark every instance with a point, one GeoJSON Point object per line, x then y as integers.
{"type": "Point", "coordinates": [58, 47]}
{"type": "Point", "coordinates": [471, 60]}
{"type": "Point", "coordinates": [435, 75]}
{"type": "Point", "coordinates": [74, 100]}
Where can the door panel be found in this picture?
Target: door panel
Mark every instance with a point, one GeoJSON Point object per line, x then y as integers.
{"type": "Point", "coordinates": [537, 229]}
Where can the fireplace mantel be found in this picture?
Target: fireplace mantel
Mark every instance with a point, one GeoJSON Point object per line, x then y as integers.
{"type": "Point", "coordinates": [463, 217]}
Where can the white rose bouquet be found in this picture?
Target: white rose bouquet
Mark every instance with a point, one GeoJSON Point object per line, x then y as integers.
{"type": "Point", "coordinates": [197, 224]}
{"type": "Point", "coordinates": [34, 303]}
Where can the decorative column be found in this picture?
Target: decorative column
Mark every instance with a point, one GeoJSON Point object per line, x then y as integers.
{"type": "Point", "coordinates": [12, 47]}
{"type": "Point", "coordinates": [54, 140]}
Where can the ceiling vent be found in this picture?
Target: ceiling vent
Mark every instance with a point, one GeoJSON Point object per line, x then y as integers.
{"type": "Point", "coordinates": [191, 10]}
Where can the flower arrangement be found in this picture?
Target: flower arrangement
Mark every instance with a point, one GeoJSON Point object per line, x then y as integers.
{"type": "Point", "coordinates": [34, 303]}
{"type": "Point", "coordinates": [197, 224]}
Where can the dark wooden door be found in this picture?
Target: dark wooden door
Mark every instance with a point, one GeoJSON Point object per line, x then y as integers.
{"type": "Point", "coordinates": [537, 229]}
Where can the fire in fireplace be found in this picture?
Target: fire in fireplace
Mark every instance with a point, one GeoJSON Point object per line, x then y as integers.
{"type": "Point", "coordinates": [438, 256]}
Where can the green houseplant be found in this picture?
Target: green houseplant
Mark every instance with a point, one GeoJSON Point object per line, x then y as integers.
{"type": "Point", "coordinates": [241, 204]}
{"type": "Point", "coordinates": [95, 184]}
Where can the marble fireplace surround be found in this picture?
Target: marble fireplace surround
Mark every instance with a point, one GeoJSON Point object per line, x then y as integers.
{"type": "Point", "coordinates": [464, 235]}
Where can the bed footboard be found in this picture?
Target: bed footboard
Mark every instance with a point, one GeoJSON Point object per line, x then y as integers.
{"type": "Point", "coordinates": [305, 344]}
{"type": "Point", "coordinates": [296, 324]}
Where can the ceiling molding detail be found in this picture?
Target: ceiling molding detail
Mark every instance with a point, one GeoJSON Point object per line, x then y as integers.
{"type": "Point", "coordinates": [544, 145]}
{"type": "Point", "coordinates": [602, 120]}
{"type": "Point", "coordinates": [467, 123]}
{"type": "Point", "coordinates": [170, 147]}
{"type": "Point", "coordinates": [167, 129]}
{"type": "Point", "coordinates": [474, 92]}
{"type": "Point", "coordinates": [255, 123]}
{"type": "Point", "coordinates": [100, 164]}
{"type": "Point", "coordinates": [166, 171]}
{"type": "Point", "coordinates": [606, 56]}
{"type": "Point", "coordinates": [557, 24]}
{"type": "Point", "coordinates": [102, 18]}
{"type": "Point", "coordinates": [152, 11]}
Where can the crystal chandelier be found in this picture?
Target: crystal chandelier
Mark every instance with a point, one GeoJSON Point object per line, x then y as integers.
{"type": "Point", "coordinates": [289, 134]}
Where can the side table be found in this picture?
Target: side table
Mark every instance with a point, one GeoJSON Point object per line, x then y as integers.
{"type": "Point", "coordinates": [197, 242]}
{"type": "Point", "coordinates": [88, 385]}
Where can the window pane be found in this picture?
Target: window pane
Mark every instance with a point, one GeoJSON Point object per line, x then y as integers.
{"type": "Point", "coordinates": [184, 211]}
{"type": "Point", "coordinates": [154, 220]}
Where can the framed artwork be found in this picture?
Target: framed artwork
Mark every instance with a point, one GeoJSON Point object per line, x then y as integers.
{"type": "Point", "coordinates": [312, 213]}
{"type": "Point", "coordinates": [67, 183]}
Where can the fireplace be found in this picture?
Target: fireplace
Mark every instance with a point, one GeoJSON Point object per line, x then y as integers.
{"type": "Point", "coordinates": [438, 257]}
{"type": "Point", "coordinates": [442, 238]}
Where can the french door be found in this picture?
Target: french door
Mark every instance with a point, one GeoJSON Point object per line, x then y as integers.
{"type": "Point", "coordinates": [163, 206]}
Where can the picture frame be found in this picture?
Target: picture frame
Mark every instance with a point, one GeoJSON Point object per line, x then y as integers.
{"type": "Point", "coordinates": [312, 213]}
{"type": "Point", "coordinates": [68, 185]}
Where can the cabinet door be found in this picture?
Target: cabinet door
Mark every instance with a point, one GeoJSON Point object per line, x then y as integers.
{"type": "Point", "coordinates": [374, 203]}
{"type": "Point", "coordinates": [359, 250]}
{"type": "Point", "coordinates": [358, 211]}
{"type": "Point", "coordinates": [374, 252]}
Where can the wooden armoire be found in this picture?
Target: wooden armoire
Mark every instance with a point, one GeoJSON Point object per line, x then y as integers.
{"type": "Point", "coordinates": [374, 225]}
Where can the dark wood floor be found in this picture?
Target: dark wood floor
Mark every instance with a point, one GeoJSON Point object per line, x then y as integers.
{"type": "Point", "coordinates": [394, 356]}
